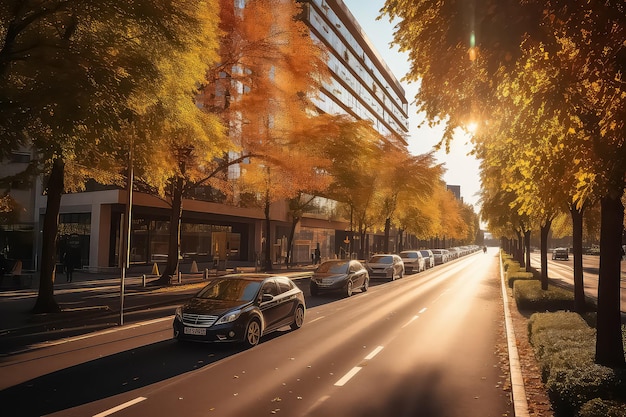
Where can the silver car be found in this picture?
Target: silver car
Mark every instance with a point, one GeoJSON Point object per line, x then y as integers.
{"type": "Point", "coordinates": [429, 258]}
{"type": "Point", "coordinates": [441, 256]}
{"type": "Point", "coordinates": [413, 261]}
{"type": "Point", "coordinates": [388, 266]}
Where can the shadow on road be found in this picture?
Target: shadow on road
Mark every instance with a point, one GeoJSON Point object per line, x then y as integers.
{"type": "Point", "coordinates": [110, 376]}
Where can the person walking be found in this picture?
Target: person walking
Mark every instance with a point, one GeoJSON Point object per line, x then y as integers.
{"type": "Point", "coordinates": [318, 256]}
{"type": "Point", "coordinates": [68, 264]}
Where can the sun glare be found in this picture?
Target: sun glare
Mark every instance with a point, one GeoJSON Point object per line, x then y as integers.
{"type": "Point", "coordinates": [472, 127]}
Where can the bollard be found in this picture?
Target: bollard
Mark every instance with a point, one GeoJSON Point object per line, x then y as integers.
{"type": "Point", "coordinates": [180, 276]}
{"type": "Point", "coordinates": [205, 275]}
{"type": "Point", "coordinates": [143, 280]}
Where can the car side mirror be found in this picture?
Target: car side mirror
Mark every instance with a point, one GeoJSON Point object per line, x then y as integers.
{"type": "Point", "coordinates": [266, 297]}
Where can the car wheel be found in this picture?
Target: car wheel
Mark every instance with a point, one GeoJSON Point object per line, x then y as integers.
{"type": "Point", "coordinates": [298, 318]}
{"type": "Point", "coordinates": [366, 285]}
{"type": "Point", "coordinates": [348, 288]}
{"type": "Point", "coordinates": [314, 290]}
{"type": "Point", "coordinates": [253, 333]}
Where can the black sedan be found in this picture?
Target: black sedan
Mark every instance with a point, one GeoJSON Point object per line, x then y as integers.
{"type": "Point", "coordinates": [240, 308]}
{"type": "Point", "coordinates": [340, 275]}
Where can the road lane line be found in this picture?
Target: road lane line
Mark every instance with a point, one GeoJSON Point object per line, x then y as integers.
{"type": "Point", "coordinates": [410, 321]}
{"type": "Point", "coordinates": [348, 376]}
{"type": "Point", "coordinates": [374, 353]}
{"type": "Point", "coordinates": [422, 310]}
{"type": "Point", "coordinates": [315, 319]}
{"type": "Point", "coordinates": [120, 407]}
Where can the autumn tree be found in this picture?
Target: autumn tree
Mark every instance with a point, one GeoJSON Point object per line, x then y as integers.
{"type": "Point", "coordinates": [71, 75]}
{"type": "Point", "coordinates": [277, 75]}
{"type": "Point", "coordinates": [485, 41]}
{"type": "Point", "coordinates": [403, 176]}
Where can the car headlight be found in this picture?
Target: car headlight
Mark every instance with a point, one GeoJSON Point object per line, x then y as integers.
{"type": "Point", "coordinates": [179, 314]}
{"type": "Point", "coordinates": [230, 317]}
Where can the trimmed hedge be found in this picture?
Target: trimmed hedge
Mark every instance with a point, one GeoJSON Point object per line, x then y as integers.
{"type": "Point", "coordinates": [602, 408]}
{"type": "Point", "coordinates": [529, 296]}
{"type": "Point", "coordinates": [565, 348]}
{"type": "Point", "coordinates": [511, 277]}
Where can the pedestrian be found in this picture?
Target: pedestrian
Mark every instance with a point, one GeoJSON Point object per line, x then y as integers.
{"type": "Point", "coordinates": [68, 264]}
{"type": "Point", "coordinates": [484, 249]}
{"type": "Point", "coordinates": [318, 256]}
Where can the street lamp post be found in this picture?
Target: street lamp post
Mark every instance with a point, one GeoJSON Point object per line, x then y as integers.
{"type": "Point", "coordinates": [125, 237]}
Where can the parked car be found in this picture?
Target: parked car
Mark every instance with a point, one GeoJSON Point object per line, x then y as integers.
{"type": "Point", "coordinates": [387, 266]}
{"type": "Point", "coordinates": [441, 256]}
{"type": "Point", "coordinates": [429, 258]}
{"type": "Point", "coordinates": [240, 308]}
{"type": "Point", "coordinates": [413, 261]}
{"type": "Point", "coordinates": [340, 275]}
{"type": "Point", "coordinates": [560, 253]}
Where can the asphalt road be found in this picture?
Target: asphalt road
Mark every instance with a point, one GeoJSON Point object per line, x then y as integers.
{"type": "Point", "coordinates": [562, 272]}
{"type": "Point", "coordinates": [424, 345]}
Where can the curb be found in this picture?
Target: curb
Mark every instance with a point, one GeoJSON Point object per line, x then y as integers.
{"type": "Point", "coordinates": [518, 391]}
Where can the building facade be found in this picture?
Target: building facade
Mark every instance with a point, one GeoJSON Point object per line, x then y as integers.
{"type": "Point", "coordinates": [91, 222]}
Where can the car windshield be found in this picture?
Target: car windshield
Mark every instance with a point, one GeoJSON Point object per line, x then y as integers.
{"type": "Point", "coordinates": [425, 253]}
{"type": "Point", "coordinates": [436, 251]}
{"type": "Point", "coordinates": [333, 268]}
{"type": "Point", "coordinates": [230, 289]}
{"type": "Point", "coordinates": [412, 255]}
{"type": "Point", "coordinates": [381, 259]}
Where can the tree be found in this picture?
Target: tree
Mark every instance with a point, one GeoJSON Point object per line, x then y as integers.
{"type": "Point", "coordinates": [71, 74]}
{"type": "Point", "coordinates": [272, 102]}
{"type": "Point", "coordinates": [585, 42]}
{"type": "Point", "coordinates": [403, 176]}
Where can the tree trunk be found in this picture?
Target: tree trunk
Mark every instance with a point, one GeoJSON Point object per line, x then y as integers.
{"type": "Point", "coordinates": [292, 233]}
{"type": "Point", "coordinates": [45, 298]}
{"type": "Point", "coordinates": [387, 229]}
{"type": "Point", "coordinates": [527, 249]}
{"type": "Point", "coordinates": [267, 267]}
{"type": "Point", "coordinates": [577, 237]}
{"type": "Point", "coordinates": [362, 235]}
{"type": "Point", "coordinates": [519, 249]}
{"type": "Point", "coordinates": [609, 344]}
{"type": "Point", "coordinates": [544, 231]}
{"type": "Point", "coordinates": [173, 250]}
{"type": "Point", "coordinates": [400, 240]}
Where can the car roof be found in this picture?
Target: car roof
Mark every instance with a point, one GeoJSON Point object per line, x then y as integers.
{"type": "Point", "coordinates": [253, 276]}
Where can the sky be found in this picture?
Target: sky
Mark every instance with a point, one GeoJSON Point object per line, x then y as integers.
{"type": "Point", "coordinates": [461, 169]}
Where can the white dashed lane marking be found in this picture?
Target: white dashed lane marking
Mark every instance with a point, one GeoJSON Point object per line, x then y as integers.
{"type": "Point", "coordinates": [352, 372]}
{"type": "Point", "coordinates": [120, 407]}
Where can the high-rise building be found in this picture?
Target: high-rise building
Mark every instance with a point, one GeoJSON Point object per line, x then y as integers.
{"type": "Point", "coordinates": [361, 85]}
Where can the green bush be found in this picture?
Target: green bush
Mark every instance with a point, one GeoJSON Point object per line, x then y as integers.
{"type": "Point", "coordinates": [529, 296]}
{"type": "Point", "coordinates": [570, 388]}
{"type": "Point", "coordinates": [511, 277]}
{"type": "Point", "coordinates": [510, 265]}
{"type": "Point", "coordinates": [565, 348]}
{"type": "Point", "coordinates": [602, 408]}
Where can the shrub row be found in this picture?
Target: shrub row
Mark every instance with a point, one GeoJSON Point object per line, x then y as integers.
{"type": "Point", "coordinates": [529, 296]}
{"type": "Point", "coordinates": [564, 345]}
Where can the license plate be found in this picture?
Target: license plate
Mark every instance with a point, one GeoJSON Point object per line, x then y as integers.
{"type": "Point", "coordinates": [199, 331]}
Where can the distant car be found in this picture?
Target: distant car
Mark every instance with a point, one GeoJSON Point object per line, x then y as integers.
{"type": "Point", "coordinates": [560, 253]}
{"type": "Point", "coordinates": [240, 308]}
{"type": "Point", "coordinates": [441, 256]}
{"type": "Point", "coordinates": [340, 275]}
{"type": "Point", "coordinates": [429, 258]}
{"type": "Point", "coordinates": [387, 266]}
{"type": "Point", "coordinates": [413, 261]}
